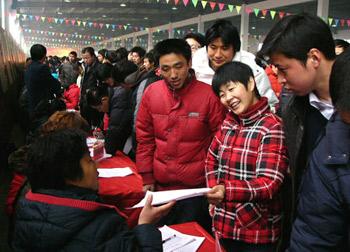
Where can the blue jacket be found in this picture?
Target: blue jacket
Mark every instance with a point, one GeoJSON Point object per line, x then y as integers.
{"type": "Point", "coordinates": [322, 222]}
{"type": "Point", "coordinates": [51, 227]}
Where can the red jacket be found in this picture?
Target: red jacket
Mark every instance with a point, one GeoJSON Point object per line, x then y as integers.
{"type": "Point", "coordinates": [71, 96]}
{"type": "Point", "coordinates": [249, 157]}
{"type": "Point", "coordinates": [174, 129]}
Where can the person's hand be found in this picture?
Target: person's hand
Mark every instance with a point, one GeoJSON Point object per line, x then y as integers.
{"type": "Point", "coordinates": [149, 187]}
{"type": "Point", "coordinates": [151, 214]}
{"type": "Point", "coordinates": [216, 194]}
{"type": "Point", "coordinates": [211, 210]}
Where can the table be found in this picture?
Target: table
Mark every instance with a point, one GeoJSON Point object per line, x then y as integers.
{"type": "Point", "coordinates": [193, 228]}
{"type": "Point", "coordinates": [122, 192]}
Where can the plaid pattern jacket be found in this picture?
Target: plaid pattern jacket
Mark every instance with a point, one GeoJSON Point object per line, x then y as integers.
{"type": "Point", "coordinates": [248, 156]}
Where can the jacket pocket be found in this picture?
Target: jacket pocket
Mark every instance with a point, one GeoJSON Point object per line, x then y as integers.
{"type": "Point", "coordinates": [247, 214]}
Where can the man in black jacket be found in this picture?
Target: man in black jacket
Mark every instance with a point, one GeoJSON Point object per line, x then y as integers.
{"type": "Point", "coordinates": [89, 81]}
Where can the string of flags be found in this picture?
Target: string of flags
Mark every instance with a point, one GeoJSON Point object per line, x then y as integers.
{"type": "Point", "coordinates": [64, 35]}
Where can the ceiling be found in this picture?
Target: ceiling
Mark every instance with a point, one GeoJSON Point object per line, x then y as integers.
{"type": "Point", "coordinates": [86, 21]}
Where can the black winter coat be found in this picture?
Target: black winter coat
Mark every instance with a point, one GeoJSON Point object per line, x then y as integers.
{"type": "Point", "coordinates": [48, 227]}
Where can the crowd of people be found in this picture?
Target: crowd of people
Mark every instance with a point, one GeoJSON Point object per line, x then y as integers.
{"type": "Point", "coordinates": [268, 133]}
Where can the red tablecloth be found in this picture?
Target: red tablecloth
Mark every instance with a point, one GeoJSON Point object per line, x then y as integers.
{"type": "Point", "coordinates": [192, 228]}
{"type": "Point", "coordinates": [122, 192]}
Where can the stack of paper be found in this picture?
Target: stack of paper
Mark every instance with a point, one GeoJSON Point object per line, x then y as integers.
{"type": "Point", "coordinates": [114, 172]}
{"type": "Point", "coordinates": [176, 241]}
{"type": "Point", "coordinates": [163, 197]}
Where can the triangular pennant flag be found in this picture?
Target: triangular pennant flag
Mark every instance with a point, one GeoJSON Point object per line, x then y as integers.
{"type": "Point", "coordinates": [17, 16]}
{"type": "Point", "coordinates": [167, 1]}
{"type": "Point", "coordinates": [256, 11]}
{"type": "Point", "coordinates": [73, 21]}
{"type": "Point", "coordinates": [30, 17]}
{"type": "Point", "coordinates": [78, 22]}
{"type": "Point", "coordinates": [43, 19]}
{"type": "Point", "coordinates": [185, 2]}
{"type": "Point", "coordinates": [120, 27]}
{"type": "Point", "coordinates": [101, 25]}
{"type": "Point", "coordinates": [221, 6]}
{"type": "Point", "coordinates": [107, 25]}
{"type": "Point", "coordinates": [158, 30]}
{"type": "Point", "coordinates": [195, 2]}
{"type": "Point", "coordinates": [178, 31]}
{"type": "Point", "coordinates": [176, 2]}
{"type": "Point", "coordinates": [330, 21]}
{"type": "Point", "coordinates": [61, 20]}
{"type": "Point", "coordinates": [84, 23]}
{"type": "Point", "coordinates": [281, 14]}
{"type": "Point", "coordinates": [67, 21]}
{"type": "Point", "coordinates": [24, 16]}
{"type": "Point", "coordinates": [95, 24]}
{"type": "Point", "coordinates": [113, 26]}
{"type": "Point", "coordinates": [125, 27]}
{"type": "Point", "coordinates": [336, 21]}
{"type": "Point", "coordinates": [248, 10]}
{"type": "Point", "coordinates": [342, 22]}
{"type": "Point", "coordinates": [56, 20]}
{"type": "Point", "coordinates": [53, 33]}
{"type": "Point", "coordinates": [90, 24]}
{"type": "Point", "coordinates": [204, 3]}
{"type": "Point", "coordinates": [272, 13]}
{"type": "Point", "coordinates": [264, 12]}
{"type": "Point", "coordinates": [238, 9]}
{"type": "Point", "coordinates": [212, 5]}
{"type": "Point", "coordinates": [348, 22]}
{"type": "Point", "coordinates": [49, 19]}
{"type": "Point", "coordinates": [230, 7]}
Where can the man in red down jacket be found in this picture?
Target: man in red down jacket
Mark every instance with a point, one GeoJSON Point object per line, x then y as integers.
{"type": "Point", "coordinates": [175, 124]}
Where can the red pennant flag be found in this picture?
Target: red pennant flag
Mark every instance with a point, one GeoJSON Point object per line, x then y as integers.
{"type": "Point", "coordinates": [248, 10]}
{"type": "Point", "coordinates": [67, 21]}
{"type": "Point", "coordinates": [212, 5]}
{"type": "Point", "coordinates": [348, 21]}
{"type": "Point", "coordinates": [281, 14]}
{"type": "Point", "coordinates": [120, 27]}
{"type": "Point", "coordinates": [185, 2]}
{"type": "Point", "coordinates": [342, 22]}
{"type": "Point", "coordinates": [95, 25]}
{"type": "Point", "coordinates": [73, 21]}
{"type": "Point", "coordinates": [176, 2]}
{"type": "Point", "coordinates": [221, 6]}
{"type": "Point", "coordinates": [101, 25]}
{"type": "Point", "coordinates": [264, 12]}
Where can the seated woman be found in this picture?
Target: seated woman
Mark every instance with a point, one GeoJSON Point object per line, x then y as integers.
{"type": "Point", "coordinates": [63, 211]}
{"type": "Point", "coordinates": [246, 165]}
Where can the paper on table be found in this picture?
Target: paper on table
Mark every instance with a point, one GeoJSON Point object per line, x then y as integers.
{"type": "Point", "coordinates": [175, 241]}
{"type": "Point", "coordinates": [167, 196]}
{"type": "Point", "coordinates": [114, 172]}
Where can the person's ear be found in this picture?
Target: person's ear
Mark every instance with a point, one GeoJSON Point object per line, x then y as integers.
{"type": "Point", "coordinates": [105, 98]}
{"type": "Point", "coordinates": [251, 84]}
{"type": "Point", "coordinates": [315, 57]}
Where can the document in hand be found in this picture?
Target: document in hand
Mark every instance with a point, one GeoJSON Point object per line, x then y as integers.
{"type": "Point", "coordinates": [167, 196]}
{"type": "Point", "coordinates": [175, 241]}
{"type": "Point", "coordinates": [114, 172]}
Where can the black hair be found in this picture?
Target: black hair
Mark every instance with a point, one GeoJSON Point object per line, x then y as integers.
{"type": "Point", "coordinates": [294, 36]}
{"type": "Point", "coordinates": [103, 52]}
{"type": "Point", "coordinates": [121, 54]}
{"type": "Point", "coordinates": [122, 69]}
{"type": "Point", "coordinates": [168, 46]}
{"type": "Point", "coordinates": [150, 57]}
{"type": "Point", "coordinates": [197, 37]}
{"type": "Point", "coordinates": [339, 82]}
{"type": "Point", "coordinates": [74, 53]}
{"type": "Point", "coordinates": [104, 71]}
{"type": "Point", "coordinates": [55, 158]}
{"type": "Point", "coordinates": [225, 30]}
{"type": "Point", "coordinates": [38, 52]}
{"type": "Point", "coordinates": [94, 95]}
{"type": "Point", "coordinates": [139, 50]}
{"type": "Point", "coordinates": [89, 50]}
{"type": "Point", "coordinates": [341, 43]}
{"type": "Point", "coordinates": [233, 72]}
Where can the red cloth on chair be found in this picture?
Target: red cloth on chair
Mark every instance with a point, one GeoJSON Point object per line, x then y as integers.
{"type": "Point", "coordinates": [122, 192]}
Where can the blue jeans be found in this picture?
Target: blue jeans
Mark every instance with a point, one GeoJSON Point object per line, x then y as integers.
{"type": "Point", "coordinates": [238, 246]}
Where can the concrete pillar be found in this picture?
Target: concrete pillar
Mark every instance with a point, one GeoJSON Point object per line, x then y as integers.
{"type": "Point", "coordinates": [323, 9]}
{"type": "Point", "coordinates": [171, 31]}
{"type": "Point", "coordinates": [150, 39]}
{"type": "Point", "coordinates": [244, 28]}
{"type": "Point", "coordinates": [134, 40]}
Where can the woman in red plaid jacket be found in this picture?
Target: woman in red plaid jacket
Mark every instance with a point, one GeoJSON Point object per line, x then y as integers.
{"type": "Point", "coordinates": [246, 165]}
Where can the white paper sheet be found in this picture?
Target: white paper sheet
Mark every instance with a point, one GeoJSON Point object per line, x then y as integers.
{"type": "Point", "coordinates": [176, 241]}
{"type": "Point", "coordinates": [167, 196]}
{"type": "Point", "coordinates": [114, 172]}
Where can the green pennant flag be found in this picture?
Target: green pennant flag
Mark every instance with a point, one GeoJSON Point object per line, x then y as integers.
{"type": "Point", "coordinates": [204, 3]}
{"type": "Point", "coordinates": [256, 11]}
{"type": "Point", "coordinates": [195, 2]}
{"type": "Point", "coordinates": [238, 8]}
{"type": "Point", "coordinates": [167, 1]}
{"type": "Point", "coordinates": [330, 21]}
{"type": "Point", "coordinates": [125, 27]}
{"type": "Point", "coordinates": [273, 13]}
{"type": "Point", "coordinates": [230, 7]}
